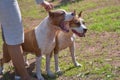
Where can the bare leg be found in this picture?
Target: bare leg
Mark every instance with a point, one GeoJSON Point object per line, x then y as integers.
{"type": "Point", "coordinates": [15, 52]}
{"type": "Point", "coordinates": [6, 56]}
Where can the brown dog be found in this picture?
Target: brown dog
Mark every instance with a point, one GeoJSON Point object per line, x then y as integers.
{"type": "Point", "coordinates": [64, 40]}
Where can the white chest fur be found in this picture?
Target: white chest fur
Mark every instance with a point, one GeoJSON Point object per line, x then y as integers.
{"type": "Point", "coordinates": [45, 37]}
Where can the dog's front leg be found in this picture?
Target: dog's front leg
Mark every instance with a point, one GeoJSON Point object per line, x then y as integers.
{"type": "Point", "coordinates": [57, 69]}
{"type": "Point", "coordinates": [72, 51]}
{"type": "Point", "coordinates": [38, 68]}
{"type": "Point", "coordinates": [25, 59]}
{"type": "Point", "coordinates": [49, 73]}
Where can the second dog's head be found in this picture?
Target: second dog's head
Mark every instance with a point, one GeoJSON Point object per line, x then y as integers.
{"type": "Point", "coordinates": [77, 25]}
{"type": "Point", "coordinates": [60, 17]}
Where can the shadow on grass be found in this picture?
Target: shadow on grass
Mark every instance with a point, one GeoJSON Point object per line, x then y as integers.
{"type": "Point", "coordinates": [32, 67]}
{"type": "Point", "coordinates": [10, 75]}
{"type": "Point", "coordinates": [63, 72]}
{"type": "Point", "coordinates": [58, 75]}
{"type": "Point", "coordinates": [7, 76]}
{"type": "Point", "coordinates": [66, 2]}
{"type": "Point", "coordinates": [70, 68]}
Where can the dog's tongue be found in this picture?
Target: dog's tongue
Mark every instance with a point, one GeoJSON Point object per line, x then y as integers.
{"type": "Point", "coordinates": [63, 26]}
{"type": "Point", "coordinates": [80, 35]}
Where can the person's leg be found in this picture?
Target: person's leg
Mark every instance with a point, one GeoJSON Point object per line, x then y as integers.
{"type": "Point", "coordinates": [15, 52]}
{"type": "Point", "coordinates": [10, 18]}
{"type": "Point", "coordinates": [6, 56]}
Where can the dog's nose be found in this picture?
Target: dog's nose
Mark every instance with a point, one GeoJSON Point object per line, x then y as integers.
{"type": "Point", "coordinates": [85, 30]}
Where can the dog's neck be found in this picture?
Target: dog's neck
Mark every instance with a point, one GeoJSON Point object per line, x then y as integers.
{"type": "Point", "coordinates": [46, 26]}
{"type": "Point", "coordinates": [68, 34]}
{"type": "Point", "coordinates": [45, 33]}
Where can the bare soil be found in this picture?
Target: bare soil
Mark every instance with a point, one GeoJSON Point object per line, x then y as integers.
{"type": "Point", "coordinates": [106, 45]}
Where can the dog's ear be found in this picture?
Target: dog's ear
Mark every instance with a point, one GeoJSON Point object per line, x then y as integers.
{"type": "Point", "coordinates": [51, 14]}
{"type": "Point", "coordinates": [80, 14]}
{"type": "Point", "coordinates": [74, 12]}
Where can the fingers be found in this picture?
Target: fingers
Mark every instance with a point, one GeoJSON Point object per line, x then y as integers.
{"type": "Point", "coordinates": [52, 6]}
{"type": "Point", "coordinates": [49, 7]}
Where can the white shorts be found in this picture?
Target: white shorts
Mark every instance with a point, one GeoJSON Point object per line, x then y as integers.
{"type": "Point", "coordinates": [11, 21]}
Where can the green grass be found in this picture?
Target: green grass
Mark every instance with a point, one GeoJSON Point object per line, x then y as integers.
{"type": "Point", "coordinates": [98, 52]}
{"type": "Point", "coordinates": [101, 19]}
{"type": "Point", "coordinates": [105, 19]}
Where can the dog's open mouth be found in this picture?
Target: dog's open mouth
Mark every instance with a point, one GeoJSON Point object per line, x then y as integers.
{"type": "Point", "coordinates": [79, 34]}
{"type": "Point", "coordinates": [64, 26]}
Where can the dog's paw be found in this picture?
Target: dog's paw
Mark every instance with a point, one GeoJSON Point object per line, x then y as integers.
{"type": "Point", "coordinates": [40, 78]}
{"type": "Point", "coordinates": [43, 57]}
{"type": "Point", "coordinates": [57, 69]}
{"type": "Point", "coordinates": [17, 77]}
{"type": "Point", "coordinates": [51, 75]}
{"type": "Point", "coordinates": [59, 73]}
{"type": "Point", "coordinates": [27, 63]}
{"type": "Point", "coordinates": [78, 64]}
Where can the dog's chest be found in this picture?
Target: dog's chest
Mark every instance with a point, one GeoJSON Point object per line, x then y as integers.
{"type": "Point", "coordinates": [64, 41]}
{"type": "Point", "coordinates": [48, 46]}
{"type": "Point", "coordinates": [45, 40]}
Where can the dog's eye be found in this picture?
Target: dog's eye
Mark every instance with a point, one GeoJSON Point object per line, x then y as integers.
{"type": "Point", "coordinates": [78, 23]}
{"type": "Point", "coordinates": [63, 13]}
{"type": "Point", "coordinates": [83, 22]}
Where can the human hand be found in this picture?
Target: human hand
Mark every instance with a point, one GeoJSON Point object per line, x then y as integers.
{"type": "Point", "coordinates": [48, 6]}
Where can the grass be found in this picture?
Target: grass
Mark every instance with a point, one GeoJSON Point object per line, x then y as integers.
{"type": "Point", "coordinates": [98, 52]}
{"type": "Point", "coordinates": [109, 17]}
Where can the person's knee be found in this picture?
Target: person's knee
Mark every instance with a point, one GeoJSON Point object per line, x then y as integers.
{"type": "Point", "coordinates": [6, 56]}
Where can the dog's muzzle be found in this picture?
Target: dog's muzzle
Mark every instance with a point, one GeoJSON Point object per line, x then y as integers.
{"type": "Point", "coordinates": [80, 34]}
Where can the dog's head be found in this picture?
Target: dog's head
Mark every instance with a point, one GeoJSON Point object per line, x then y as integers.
{"type": "Point", "coordinates": [77, 25]}
{"type": "Point", "coordinates": [60, 17]}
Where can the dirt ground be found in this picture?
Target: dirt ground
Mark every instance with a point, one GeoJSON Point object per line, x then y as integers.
{"type": "Point", "coordinates": [99, 45]}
